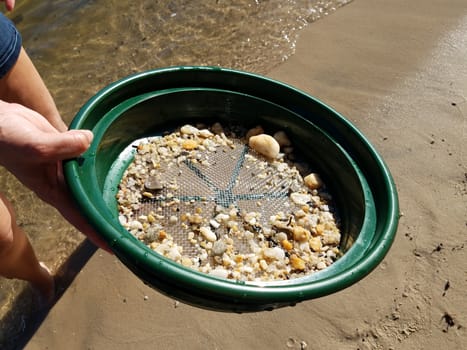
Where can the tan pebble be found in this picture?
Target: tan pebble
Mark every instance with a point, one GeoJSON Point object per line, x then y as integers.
{"type": "Point", "coordinates": [187, 262]}
{"type": "Point", "coordinates": [205, 133]}
{"type": "Point", "coordinates": [151, 218]}
{"type": "Point", "coordinates": [313, 181]}
{"type": "Point", "coordinates": [226, 262]}
{"type": "Point", "coordinates": [315, 244]}
{"type": "Point", "coordinates": [297, 263]}
{"type": "Point", "coordinates": [320, 228]}
{"type": "Point", "coordinates": [300, 214]}
{"type": "Point", "coordinates": [282, 138]}
{"type": "Point", "coordinates": [254, 131]}
{"type": "Point", "coordinates": [330, 237]}
{"type": "Point", "coordinates": [265, 145]}
{"type": "Point", "coordinates": [263, 264]}
{"type": "Point", "coordinates": [300, 234]}
{"type": "Point", "coordinates": [217, 128]}
{"type": "Point", "coordinates": [148, 194]}
{"type": "Point", "coordinates": [195, 219]}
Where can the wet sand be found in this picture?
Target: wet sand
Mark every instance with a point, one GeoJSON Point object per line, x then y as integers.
{"type": "Point", "coordinates": [397, 71]}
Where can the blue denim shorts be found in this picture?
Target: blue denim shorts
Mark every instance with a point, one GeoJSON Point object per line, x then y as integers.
{"type": "Point", "coordinates": [10, 45]}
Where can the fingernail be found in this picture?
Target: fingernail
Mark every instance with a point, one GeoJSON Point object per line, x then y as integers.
{"type": "Point", "coordinates": [88, 134]}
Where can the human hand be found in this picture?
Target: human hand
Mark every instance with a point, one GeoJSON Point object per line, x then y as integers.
{"type": "Point", "coordinates": [9, 4]}
{"type": "Point", "coordinates": [33, 150]}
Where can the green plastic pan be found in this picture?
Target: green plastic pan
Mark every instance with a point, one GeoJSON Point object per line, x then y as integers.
{"type": "Point", "coordinates": [153, 102]}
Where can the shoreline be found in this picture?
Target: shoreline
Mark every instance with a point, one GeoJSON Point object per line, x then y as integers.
{"type": "Point", "coordinates": [396, 71]}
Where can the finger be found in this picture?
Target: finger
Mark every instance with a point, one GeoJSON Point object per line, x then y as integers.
{"type": "Point", "coordinates": [30, 116]}
{"type": "Point", "coordinates": [10, 4]}
{"type": "Point", "coordinates": [65, 145]}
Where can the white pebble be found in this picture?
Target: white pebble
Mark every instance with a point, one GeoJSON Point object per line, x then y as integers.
{"type": "Point", "coordinates": [321, 265]}
{"type": "Point", "coordinates": [222, 217]}
{"type": "Point", "coordinates": [300, 198]}
{"type": "Point", "coordinates": [214, 223]}
{"type": "Point", "coordinates": [205, 133]}
{"type": "Point", "coordinates": [275, 253]}
{"type": "Point", "coordinates": [136, 225]}
{"type": "Point", "coordinates": [265, 145]}
{"type": "Point", "coordinates": [122, 219]}
{"type": "Point", "coordinates": [189, 130]}
{"type": "Point", "coordinates": [218, 248]}
{"type": "Point", "coordinates": [281, 167]}
{"type": "Point", "coordinates": [208, 234]}
{"type": "Point", "coordinates": [219, 272]}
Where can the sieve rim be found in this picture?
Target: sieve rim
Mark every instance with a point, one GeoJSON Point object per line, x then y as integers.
{"type": "Point", "coordinates": [175, 279]}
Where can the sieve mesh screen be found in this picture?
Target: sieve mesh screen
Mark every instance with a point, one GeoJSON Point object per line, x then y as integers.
{"type": "Point", "coordinates": [222, 207]}
{"type": "Point", "coordinates": [226, 182]}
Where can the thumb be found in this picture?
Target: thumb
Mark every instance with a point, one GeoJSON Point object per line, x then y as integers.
{"type": "Point", "coordinates": [68, 144]}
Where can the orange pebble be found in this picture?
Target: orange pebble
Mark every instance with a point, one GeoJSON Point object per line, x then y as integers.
{"type": "Point", "coordinates": [162, 235]}
{"type": "Point", "coordinates": [189, 145]}
{"type": "Point", "coordinates": [287, 245]}
{"type": "Point", "coordinates": [297, 263]}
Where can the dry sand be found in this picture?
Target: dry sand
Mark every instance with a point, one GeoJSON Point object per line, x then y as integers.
{"type": "Point", "coordinates": [397, 70]}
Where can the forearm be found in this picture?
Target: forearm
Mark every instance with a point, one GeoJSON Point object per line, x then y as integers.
{"type": "Point", "coordinates": [23, 85]}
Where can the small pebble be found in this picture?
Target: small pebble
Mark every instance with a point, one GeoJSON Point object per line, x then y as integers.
{"type": "Point", "coordinates": [153, 184]}
{"type": "Point", "coordinates": [254, 131]}
{"type": "Point", "coordinates": [219, 248]}
{"type": "Point", "coordinates": [208, 234]}
{"type": "Point", "coordinates": [282, 139]}
{"type": "Point", "coordinates": [313, 181]}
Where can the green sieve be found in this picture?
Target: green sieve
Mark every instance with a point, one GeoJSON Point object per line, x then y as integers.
{"type": "Point", "coordinates": [155, 102]}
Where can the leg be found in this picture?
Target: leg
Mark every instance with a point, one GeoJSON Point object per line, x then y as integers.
{"type": "Point", "coordinates": [17, 257]}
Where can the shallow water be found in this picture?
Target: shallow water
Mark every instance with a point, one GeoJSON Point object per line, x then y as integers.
{"type": "Point", "coordinates": [81, 46]}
